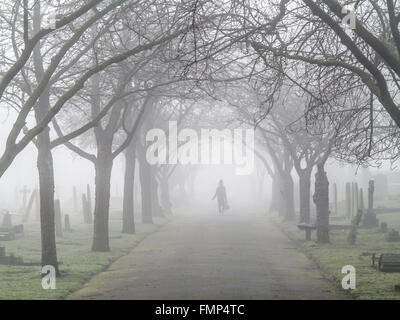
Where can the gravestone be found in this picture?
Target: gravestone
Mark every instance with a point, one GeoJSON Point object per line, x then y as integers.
{"type": "Point", "coordinates": [370, 220]}
{"type": "Point", "coordinates": [371, 189]}
{"type": "Point", "coordinates": [393, 235]}
{"type": "Point", "coordinates": [67, 224]}
{"type": "Point", "coordinates": [7, 221]}
{"type": "Point", "coordinates": [355, 209]}
{"type": "Point", "coordinates": [383, 228]}
{"type": "Point", "coordinates": [348, 200]}
{"type": "Point", "coordinates": [11, 259]}
{"type": "Point", "coordinates": [58, 221]}
{"type": "Point", "coordinates": [8, 234]}
{"type": "Point", "coordinates": [361, 200]}
{"type": "Point", "coordinates": [352, 200]}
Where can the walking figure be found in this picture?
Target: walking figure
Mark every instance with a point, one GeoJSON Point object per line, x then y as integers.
{"type": "Point", "coordinates": [220, 194]}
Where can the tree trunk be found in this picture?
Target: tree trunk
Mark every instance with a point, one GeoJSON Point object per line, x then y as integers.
{"type": "Point", "coordinates": [335, 207]}
{"type": "Point", "coordinates": [275, 193]}
{"type": "Point", "coordinates": [165, 195]}
{"type": "Point", "coordinates": [128, 220]}
{"type": "Point", "coordinates": [44, 163]}
{"type": "Point", "coordinates": [145, 187]}
{"type": "Point", "coordinates": [288, 197]}
{"type": "Point", "coordinates": [46, 190]}
{"type": "Point", "coordinates": [155, 203]}
{"type": "Point", "coordinates": [103, 168]}
{"type": "Point", "coordinates": [321, 200]}
{"type": "Point", "coordinates": [304, 193]}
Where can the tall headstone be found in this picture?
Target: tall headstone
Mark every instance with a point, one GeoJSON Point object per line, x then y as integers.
{"type": "Point", "coordinates": [361, 200]}
{"type": "Point", "coordinates": [67, 223]}
{"type": "Point", "coordinates": [355, 210]}
{"type": "Point", "coordinates": [371, 189]}
{"type": "Point", "coordinates": [348, 200]}
{"type": "Point", "coordinates": [352, 201]}
{"type": "Point", "coordinates": [370, 220]}
{"type": "Point", "coordinates": [58, 221]}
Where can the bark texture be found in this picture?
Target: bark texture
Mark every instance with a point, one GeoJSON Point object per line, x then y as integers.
{"type": "Point", "coordinates": [321, 200]}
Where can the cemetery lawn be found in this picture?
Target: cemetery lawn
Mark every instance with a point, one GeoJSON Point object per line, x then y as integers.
{"type": "Point", "coordinates": [330, 258]}
{"type": "Point", "coordinates": [77, 263]}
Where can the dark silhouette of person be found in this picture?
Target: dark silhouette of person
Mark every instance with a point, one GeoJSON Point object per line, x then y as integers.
{"type": "Point", "coordinates": [220, 194]}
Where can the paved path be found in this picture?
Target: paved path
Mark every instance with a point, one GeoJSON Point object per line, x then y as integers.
{"type": "Point", "coordinates": [212, 257]}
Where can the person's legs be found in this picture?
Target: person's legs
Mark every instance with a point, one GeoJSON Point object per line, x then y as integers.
{"type": "Point", "coordinates": [220, 207]}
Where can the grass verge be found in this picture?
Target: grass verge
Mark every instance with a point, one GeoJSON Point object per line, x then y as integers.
{"type": "Point", "coordinates": [330, 258]}
{"type": "Point", "coordinates": [77, 263]}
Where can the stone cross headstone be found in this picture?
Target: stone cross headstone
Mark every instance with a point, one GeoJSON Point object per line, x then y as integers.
{"type": "Point", "coordinates": [58, 219]}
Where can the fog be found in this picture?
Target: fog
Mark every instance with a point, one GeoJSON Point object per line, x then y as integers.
{"type": "Point", "coordinates": [199, 149]}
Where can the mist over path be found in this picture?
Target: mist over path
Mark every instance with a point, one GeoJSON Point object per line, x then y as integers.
{"type": "Point", "coordinates": [212, 257]}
